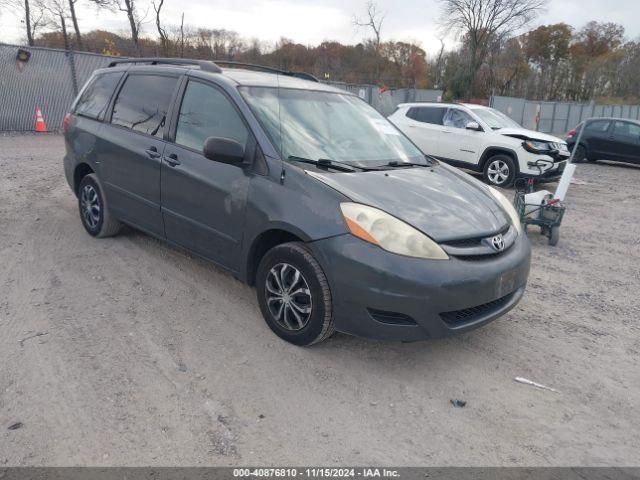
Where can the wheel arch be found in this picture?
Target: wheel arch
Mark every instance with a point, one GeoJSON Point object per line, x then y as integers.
{"type": "Point", "coordinates": [492, 151]}
{"type": "Point", "coordinates": [265, 241]}
{"type": "Point", "coordinates": [80, 171]}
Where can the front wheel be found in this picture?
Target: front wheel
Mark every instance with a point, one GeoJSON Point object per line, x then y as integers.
{"type": "Point", "coordinates": [580, 154]}
{"type": "Point", "coordinates": [500, 170]}
{"type": "Point", "coordinates": [294, 296]}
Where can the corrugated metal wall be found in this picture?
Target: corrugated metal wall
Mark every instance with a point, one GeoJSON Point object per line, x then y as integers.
{"type": "Point", "coordinates": [46, 81]}
{"type": "Point", "coordinates": [558, 117]}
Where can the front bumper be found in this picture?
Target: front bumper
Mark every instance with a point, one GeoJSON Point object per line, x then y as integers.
{"type": "Point", "coordinates": [382, 295]}
{"type": "Point", "coordinates": [540, 166]}
{"type": "Point", "coordinates": [553, 173]}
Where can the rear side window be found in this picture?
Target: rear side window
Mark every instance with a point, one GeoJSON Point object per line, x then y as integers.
{"type": "Point", "coordinates": [95, 98]}
{"type": "Point", "coordinates": [206, 112]}
{"type": "Point", "coordinates": [431, 115]}
{"type": "Point", "coordinates": [143, 103]}
{"type": "Point", "coordinates": [598, 126]}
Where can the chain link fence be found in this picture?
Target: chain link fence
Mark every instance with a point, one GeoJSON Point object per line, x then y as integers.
{"type": "Point", "coordinates": [51, 78]}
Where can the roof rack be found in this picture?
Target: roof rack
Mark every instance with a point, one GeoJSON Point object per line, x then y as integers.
{"type": "Point", "coordinates": [264, 68]}
{"type": "Point", "coordinates": [212, 65]}
{"type": "Point", "coordinates": [206, 65]}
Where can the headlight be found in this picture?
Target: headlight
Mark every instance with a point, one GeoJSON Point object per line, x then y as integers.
{"type": "Point", "coordinates": [536, 147]}
{"type": "Point", "coordinates": [380, 228]}
{"type": "Point", "coordinates": [508, 208]}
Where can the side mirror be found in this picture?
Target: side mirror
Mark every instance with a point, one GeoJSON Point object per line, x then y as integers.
{"type": "Point", "coordinates": [473, 126]}
{"type": "Point", "coordinates": [223, 150]}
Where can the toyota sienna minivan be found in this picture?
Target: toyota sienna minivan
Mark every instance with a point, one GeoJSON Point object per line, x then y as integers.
{"type": "Point", "coordinates": [298, 188]}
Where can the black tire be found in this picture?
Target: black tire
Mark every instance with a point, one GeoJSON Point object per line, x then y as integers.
{"type": "Point", "coordinates": [499, 171]}
{"type": "Point", "coordinates": [280, 263]}
{"type": "Point", "coordinates": [554, 236]}
{"type": "Point", "coordinates": [580, 154]}
{"type": "Point", "coordinates": [94, 211]}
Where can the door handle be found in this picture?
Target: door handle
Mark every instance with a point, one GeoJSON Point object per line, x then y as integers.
{"type": "Point", "coordinates": [172, 160]}
{"type": "Point", "coordinates": [152, 152]}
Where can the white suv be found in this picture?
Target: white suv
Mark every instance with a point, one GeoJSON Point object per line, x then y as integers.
{"type": "Point", "coordinates": [481, 139]}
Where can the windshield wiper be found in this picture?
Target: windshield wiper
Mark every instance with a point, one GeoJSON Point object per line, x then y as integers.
{"type": "Point", "coordinates": [397, 163]}
{"type": "Point", "coordinates": [326, 163]}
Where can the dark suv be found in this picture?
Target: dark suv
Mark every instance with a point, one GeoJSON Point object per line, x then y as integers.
{"type": "Point", "coordinates": [298, 188]}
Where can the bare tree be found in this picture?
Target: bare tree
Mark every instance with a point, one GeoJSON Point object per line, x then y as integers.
{"type": "Point", "coordinates": [479, 22]}
{"type": "Point", "coordinates": [130, 7]}
{"type": "Point", "coordinates": [373, 20]}
{"type": "Point", "coordinates": [182, 36]}
{"type": "Point", "coordinates": [439, 64]}
{"type": "Point", "coordinates": [58, 13]}
{"type": "Point", "coordinates": [74, 20]}
{"type": "Point", "coordinates": [33, 16]}
{"type": "Point", "coordinates": [164, 42]}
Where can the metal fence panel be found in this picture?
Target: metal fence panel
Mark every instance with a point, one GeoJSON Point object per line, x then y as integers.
{"type": "Point", "coordinates": [510, 106]}
{"type": "Point", "coordinates": [558, 117]}
{"type": "Point", "coordinates": [547, 112]}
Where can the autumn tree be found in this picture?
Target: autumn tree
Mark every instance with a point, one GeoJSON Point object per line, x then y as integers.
{"type": "Point", "coordinates": [547, 49]}
{"type": "Point", "coordinates": [595, 54]}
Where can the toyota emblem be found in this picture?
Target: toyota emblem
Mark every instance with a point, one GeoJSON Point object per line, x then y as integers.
{"type": "Point", "coordinates": [498, 243]}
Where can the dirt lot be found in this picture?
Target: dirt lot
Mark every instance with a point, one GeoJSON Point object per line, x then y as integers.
{"type": "Point", "coordinates": [128, 352]}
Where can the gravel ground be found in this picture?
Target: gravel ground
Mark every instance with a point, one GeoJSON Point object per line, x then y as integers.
{"type": "Point", "coordinates": [125, 351]}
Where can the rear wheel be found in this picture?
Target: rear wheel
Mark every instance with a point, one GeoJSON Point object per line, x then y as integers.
{"type": "Point", "coordinates": [500, 170]}
{"type": "Point", "coordinates": [294, 296]}
{"type": "Point", "coordinates": [94, 212]}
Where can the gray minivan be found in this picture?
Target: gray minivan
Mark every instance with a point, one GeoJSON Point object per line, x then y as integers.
{"type": "Point", "coordinates": [298, 188]}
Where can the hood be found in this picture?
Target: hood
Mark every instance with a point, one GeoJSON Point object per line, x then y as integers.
{"type": "Point", "coordinates": [525, 134]}
{"type": "Point", "coordinates": [439, 201]}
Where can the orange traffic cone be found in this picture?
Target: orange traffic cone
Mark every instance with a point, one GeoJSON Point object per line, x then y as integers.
{"type": "Point", "coordinates": [40, 125]}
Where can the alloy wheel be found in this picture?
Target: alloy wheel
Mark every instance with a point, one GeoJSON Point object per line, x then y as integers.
{"type": "Point", "coordinates": [498, 172]}
{"type": "Point", "coordinates": [90, 206]}
{"type": "Point", "coordinates": [288, 297]}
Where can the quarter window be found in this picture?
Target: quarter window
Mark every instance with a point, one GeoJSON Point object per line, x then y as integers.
{"type": "Point", "coordinates": [143, 103]}
{"type": "Point", "coordinates": [431, 115]}
{"type": "Point", "coordinates": [95, 98]}
{"type": "Point", "coordinates": [206, 112]}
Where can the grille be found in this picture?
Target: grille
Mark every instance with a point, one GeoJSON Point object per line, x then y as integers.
{"type": "Point", "coordinates": [467, 242]}
{"type": "Point", "coordinates": [473, 242]}
{"type": "Point", "coordinates": [468, 315]}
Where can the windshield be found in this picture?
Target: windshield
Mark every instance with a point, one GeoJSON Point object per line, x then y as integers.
{"type": "Point", "coordinates": [495, 119]}
{"type": "Point", "coordinates": [325, 125]}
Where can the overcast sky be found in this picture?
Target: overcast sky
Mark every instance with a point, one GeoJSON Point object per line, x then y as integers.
{"type": "Point", "coordinates": [312, 21]}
